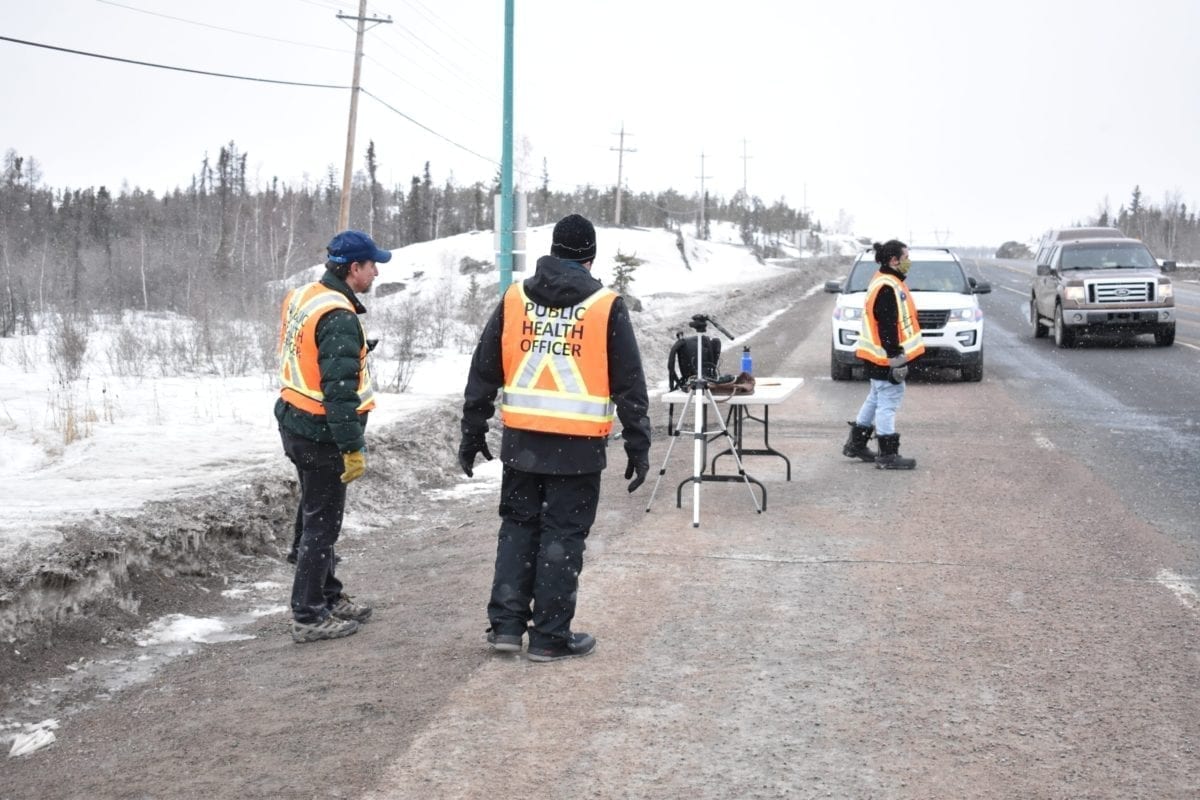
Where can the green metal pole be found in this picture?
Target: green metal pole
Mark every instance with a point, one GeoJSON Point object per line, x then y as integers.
{"type": "Point", "coordinates": [505, 260]}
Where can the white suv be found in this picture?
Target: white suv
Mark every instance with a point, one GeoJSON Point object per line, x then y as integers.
{"type": "Point", "coordinates": [947, 308]}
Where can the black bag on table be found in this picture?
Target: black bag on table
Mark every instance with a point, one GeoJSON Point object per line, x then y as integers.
{"type": "Point", "coordinates": [681, 361]}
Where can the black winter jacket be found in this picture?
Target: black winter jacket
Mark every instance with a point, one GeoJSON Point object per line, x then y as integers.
{"type": "Point", "coordinates": [339, 345]}
{"type": "Point", "coordinates": [887, 317]}
{"type": "Point", "coordinates": [561, 284]}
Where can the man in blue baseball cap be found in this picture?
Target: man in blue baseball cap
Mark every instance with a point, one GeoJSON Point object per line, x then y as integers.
{"type": "Point", "coordinates": [325, 396]}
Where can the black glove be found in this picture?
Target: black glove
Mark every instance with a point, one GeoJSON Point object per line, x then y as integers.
{"type": "Point", "coordinates": [638, 466]}
{"type": "Point", "coordinates": [470, 447]}
{"type": "Point", "coordinates": [899, 374]}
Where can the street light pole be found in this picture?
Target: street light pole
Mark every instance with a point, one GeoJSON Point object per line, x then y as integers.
{"type": "Point", "coordinates": [505, 256]}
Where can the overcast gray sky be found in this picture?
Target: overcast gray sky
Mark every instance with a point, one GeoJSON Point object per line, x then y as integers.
{"type": "Point", "coordinates": [913, 118]}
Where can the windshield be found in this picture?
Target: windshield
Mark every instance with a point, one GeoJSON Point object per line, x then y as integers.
{"type": "Point", "coordinates": [1130, 255]}
{"type": "Point", "coordinates": [925, 276]}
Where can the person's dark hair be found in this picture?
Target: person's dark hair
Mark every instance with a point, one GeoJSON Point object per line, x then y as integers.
{"type": "Point", "coordinates": [889, 249]}
{"type": "Point", "coordinates": [341, 270]}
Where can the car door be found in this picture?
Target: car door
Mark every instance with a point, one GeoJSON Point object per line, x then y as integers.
{"type": "Point", "coordinates": [1044, 284]}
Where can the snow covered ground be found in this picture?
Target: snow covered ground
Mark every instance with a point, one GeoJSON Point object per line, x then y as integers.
{"type": "Point", "coordinates": [107, 442]}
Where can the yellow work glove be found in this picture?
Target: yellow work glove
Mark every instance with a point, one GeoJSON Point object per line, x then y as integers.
{"type": "Point", "coordinates": [356, 465]}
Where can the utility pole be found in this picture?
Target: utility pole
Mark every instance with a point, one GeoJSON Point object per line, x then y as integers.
{"type": "Point", "coordinates": [348, 172]}
{"type": "Point", "coordinates": [700, 226]}
{"type": "Point", "coordinates": [621, 151]}
{"type": "Point", "coordinates": [745, 158]}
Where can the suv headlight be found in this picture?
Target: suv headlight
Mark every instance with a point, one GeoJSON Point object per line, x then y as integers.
{"type": "Point", "coordinates": [1074, 293]}
{"type": "Point", "coordinates": [847, 313]}
{"type": "Point", "coordinates": [966, 314]}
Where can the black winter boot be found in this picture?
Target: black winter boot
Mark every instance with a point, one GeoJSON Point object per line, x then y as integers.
{"type": "Point", "coordinates": [856, 442]}
{"type": "Point", "coordinates": [889, 454]}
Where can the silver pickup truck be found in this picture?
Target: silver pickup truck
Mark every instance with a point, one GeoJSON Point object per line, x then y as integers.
{"type": "Point", "coordinates": [1111, 285]}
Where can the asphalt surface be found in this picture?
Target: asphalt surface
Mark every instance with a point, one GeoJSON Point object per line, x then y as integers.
{"type": "Point", "coordinates": [1015, 618]}
{"type": "Point", "coordinates": [1123, 406]}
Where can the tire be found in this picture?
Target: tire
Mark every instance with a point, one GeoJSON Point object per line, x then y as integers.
{"type": "Point", "coordinates": [837, 370]}
{"type": "Point", "coordinates": [1165, 336]}
{"type": "Point", "coordinates": [972, 373]}
{"type": "Point", "coordinates": [1063, 336]}
{"type": "Point", "coordinates": [1035, 323]}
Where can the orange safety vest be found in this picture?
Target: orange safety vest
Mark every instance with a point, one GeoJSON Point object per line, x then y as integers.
{"type": "Point", "coordinates": [299, 368]}
{"type": "Point", "coordinates": [556, 365]}
{"type": "Point", "coordinates": [870, 346]}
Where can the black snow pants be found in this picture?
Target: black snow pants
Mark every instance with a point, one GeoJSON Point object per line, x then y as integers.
{"type": "Point", "coordinates": [545, 520]}
{"type": "Point", "coordinates": [319, 465]}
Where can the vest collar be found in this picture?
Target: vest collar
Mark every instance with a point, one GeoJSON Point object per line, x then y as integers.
{"type": "Point", "coordinates": [338, 285]}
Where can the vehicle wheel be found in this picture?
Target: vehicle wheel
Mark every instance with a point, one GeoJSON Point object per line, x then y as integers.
{"type": "Point", "coordinates": [1165, 336]}
{"type": "Point", "coordinates": [1063, 336]}
{"type": "Point", "coordinates": [839, 371]}
{"type": "Point", "coordinates": [973, 373]}
{"type": "Point", "coordinates": [1039, 330]}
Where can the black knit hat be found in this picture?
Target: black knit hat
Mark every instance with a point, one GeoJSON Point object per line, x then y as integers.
{"type": "Point", "coordinates": [574, 239]}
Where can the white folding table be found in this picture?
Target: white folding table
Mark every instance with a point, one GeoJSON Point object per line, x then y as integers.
{"type": "Point", "coordinates": [768, 391]}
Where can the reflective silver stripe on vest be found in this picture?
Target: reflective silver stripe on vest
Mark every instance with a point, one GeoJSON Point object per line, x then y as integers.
{"type": "Point", "coordinates": [524, 402]}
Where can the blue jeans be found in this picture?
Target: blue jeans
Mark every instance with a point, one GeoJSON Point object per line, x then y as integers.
{"type": "Point", "coordinates": [880, 407]}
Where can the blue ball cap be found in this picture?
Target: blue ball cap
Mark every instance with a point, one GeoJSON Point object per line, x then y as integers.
{"type": "Point", "coordinates": [350, 246]}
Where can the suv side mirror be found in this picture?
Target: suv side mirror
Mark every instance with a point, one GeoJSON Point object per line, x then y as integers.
{"type": "Point", "coordinates": [980, 287]}
{"type": "Point", "coordinates": [1043, 269]}
{"type": "Point", "coordinates": [833, 287]}
{"type": "Point", "coordinates": [1168, 266]}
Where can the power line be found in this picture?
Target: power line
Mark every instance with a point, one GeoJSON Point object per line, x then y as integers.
{"type": "Point", "coordinates": [168, 66]}
{"type": "Point", "coordinates": [231, 76]}
{"type": "Point", "coordinates": [220, 28]}
{"type": "Point", "coordinates": [425, 127]}
{"type": "Point", "coordinates": [469, 46]}
{"type": "Point", "coordinates": [440, 61]}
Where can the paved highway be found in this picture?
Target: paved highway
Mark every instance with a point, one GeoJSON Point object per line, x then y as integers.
{"type": "Point", "coordinates": [1125, 405]}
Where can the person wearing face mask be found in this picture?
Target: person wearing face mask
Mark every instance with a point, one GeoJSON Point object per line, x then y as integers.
{"type": "Point", "coordinates": [889, 342]}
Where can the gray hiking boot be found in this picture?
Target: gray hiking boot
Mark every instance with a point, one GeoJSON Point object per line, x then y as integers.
{"type": "Point", "coordinates": [346, 608]}
{"type": "Point", "coordinates": [505, 642]}
{"type": "Point", "coordinates": [580, 644]}
{"type": "Point", "coordinates": [329, 628]}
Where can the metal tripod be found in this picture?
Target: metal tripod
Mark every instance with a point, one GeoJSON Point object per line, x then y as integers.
{"type": "Point", "coordinates": [700, 398]}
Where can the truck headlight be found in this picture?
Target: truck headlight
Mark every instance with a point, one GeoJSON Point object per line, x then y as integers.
{"type": "Point", "coordinates": [1074, 294]}
{"type": "Point", "coordinates": [1165, 290]}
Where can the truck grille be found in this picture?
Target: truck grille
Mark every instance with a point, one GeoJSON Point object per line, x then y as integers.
{"type": "Point", "coordinates": [1123, 292]}
{"type": "Point", "coordinates": [932, 320]}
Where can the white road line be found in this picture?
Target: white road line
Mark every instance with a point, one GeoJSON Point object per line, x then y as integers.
{"type": "Point", "coordinates": [1022, 292]}
{"type": "Point", "coordinates": [1180, 586]}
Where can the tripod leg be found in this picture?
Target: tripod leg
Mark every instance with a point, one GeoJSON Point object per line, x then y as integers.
{"type": "Point", "coordinates": [674, 437]}
{"type": "Point", "coordinates": [698, 456]}
{"type": "Point", "coordinates": [736, 456]}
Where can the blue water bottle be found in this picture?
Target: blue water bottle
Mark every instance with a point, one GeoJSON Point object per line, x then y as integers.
{"type": "Point", "coordinates": [746, 361]}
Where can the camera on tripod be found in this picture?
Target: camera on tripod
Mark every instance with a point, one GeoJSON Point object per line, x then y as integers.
{"type": "Point", "coordinates": [688, 351]}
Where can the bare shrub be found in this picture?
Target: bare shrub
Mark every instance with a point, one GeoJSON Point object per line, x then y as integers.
{"type": "Point", "coordinates": [65, 416]}
{"type": "Point", "coordinates": [399, 346]}
{"type": "Point", "coordinates": [440, 316]}
{"type": "Point", "coordinates": [268, 346]}
{"type": "Point", "coordinates": [472, 312]}
{"type": "Point", "coordinates": [126, 356]}
{"type": "Point", "coordinates": [68, 346]}
{"type": "Point", "coordinates": [234, 347]}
